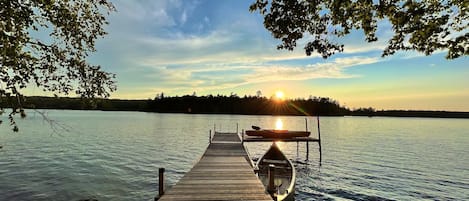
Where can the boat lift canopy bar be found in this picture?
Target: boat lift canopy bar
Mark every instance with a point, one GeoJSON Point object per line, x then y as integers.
{"type": "Point", "coordinates": [248, 138]}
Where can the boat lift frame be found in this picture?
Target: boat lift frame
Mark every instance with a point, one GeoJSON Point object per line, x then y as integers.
{"type": "Point", "coordinates": [246, 138]}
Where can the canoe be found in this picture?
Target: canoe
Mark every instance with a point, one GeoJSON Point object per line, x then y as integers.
{"type": "Point", "coordinates": [284, 174]}
{"type": "Point", "coordinates": [281, 134]}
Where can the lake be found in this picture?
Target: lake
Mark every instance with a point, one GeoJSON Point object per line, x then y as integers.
{"type": "Point", "coordinates": [116, 155]}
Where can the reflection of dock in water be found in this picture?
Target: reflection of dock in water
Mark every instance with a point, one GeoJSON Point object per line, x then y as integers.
{"type": "Point", "coordinates": [224, 172]}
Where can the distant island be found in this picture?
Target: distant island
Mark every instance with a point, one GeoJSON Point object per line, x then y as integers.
{"type": "Point", "coordinates": [220, 104]}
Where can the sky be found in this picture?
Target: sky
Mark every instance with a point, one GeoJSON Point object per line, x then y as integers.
{"type": "Point", "coordinates": [219, 47]}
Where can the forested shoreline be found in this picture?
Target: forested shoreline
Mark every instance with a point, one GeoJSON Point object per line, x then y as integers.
{"type": "Point", "coordinates": [247, 105]}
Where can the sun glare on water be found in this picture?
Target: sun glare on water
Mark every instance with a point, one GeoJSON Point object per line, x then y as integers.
{"type": "Point", "coordinates": [279, 124]}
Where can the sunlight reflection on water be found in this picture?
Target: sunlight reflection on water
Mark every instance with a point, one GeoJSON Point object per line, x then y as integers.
{"type": "Point", "coordinates": [278, 124]}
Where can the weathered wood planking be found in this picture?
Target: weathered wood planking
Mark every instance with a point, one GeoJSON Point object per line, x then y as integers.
{"type": "Point", "coordinates": [223, 173]}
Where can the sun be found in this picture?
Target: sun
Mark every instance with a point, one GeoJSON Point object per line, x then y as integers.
{"type": "Point", "coordinates": [280, 95]}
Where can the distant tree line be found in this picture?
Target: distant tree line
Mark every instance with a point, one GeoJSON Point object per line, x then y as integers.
{"type": "Point", "coordinates": [42, 102]}
{"type": "Point", "coordinates": [222, 104]}
{"type": "Point", "coordinates": [408, 113]}
{"type": "Point", "coordinates": [252, 105]}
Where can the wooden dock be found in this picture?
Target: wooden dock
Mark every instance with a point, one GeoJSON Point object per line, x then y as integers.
{"type": "Point", "coordinates": [224, 172]}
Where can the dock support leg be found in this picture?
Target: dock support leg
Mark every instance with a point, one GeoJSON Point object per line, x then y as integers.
{"type": "Point", "coordinates": [320, 153]}
{"type": "Point", "coordinates": [306, 124]}
{"type": "Point", "coordinates": [319, 142]}
{"type": "Point", "coordinates": [307, 150]}
{"type": "Point", "coordinates": [160, 183]}
{"type": "Point", "coordinates": [242, 136]}
{"type": "Point", "coordinates": [210, 137]}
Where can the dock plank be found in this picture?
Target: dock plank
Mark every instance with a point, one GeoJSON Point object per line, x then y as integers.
{"type": "Point", "coordinates": [223, 173]}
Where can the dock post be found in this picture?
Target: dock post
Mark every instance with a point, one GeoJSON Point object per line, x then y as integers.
{"type": "Point", "coordinates": [306, 124]}
{"type": "Point", "coordinates": [307, 150]}
{"type": "Point", "coordinates": [320, 149]}
{"type": "Point", "coordinates": [210, 137]}
{"type": "Point", "coordinates": [271, 186]}
{"type": "Point", "coordinates": [160, 184]}
{"type": "Point", "coordinates": [242, 136]}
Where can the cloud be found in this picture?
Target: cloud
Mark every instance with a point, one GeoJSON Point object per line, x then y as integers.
{"type": "Point", "coordinates": [161, 18]}
{"type": "Point", "coordinates": [362, 48]}
{"type": "Point", "coordinates": [334, 69]}
{"type": "Point", "coordinates": [183, 17]}
{"type": "Point", "coordinates": [180, 46]}
{"type": "Point", "coordinates": [154, 13]}
{"type": "Point", "coordinates": [213, 76]}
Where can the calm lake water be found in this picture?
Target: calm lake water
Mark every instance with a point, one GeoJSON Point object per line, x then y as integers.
{"type": "Point", "coordinates": [116, 155]}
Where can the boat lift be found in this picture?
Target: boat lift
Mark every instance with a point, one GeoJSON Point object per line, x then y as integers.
{"type": "Point", "coordinates": [246, 138]}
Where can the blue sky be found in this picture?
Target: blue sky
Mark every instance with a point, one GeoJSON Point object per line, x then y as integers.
{"type": "Point", "coordinates": [219, 47]}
